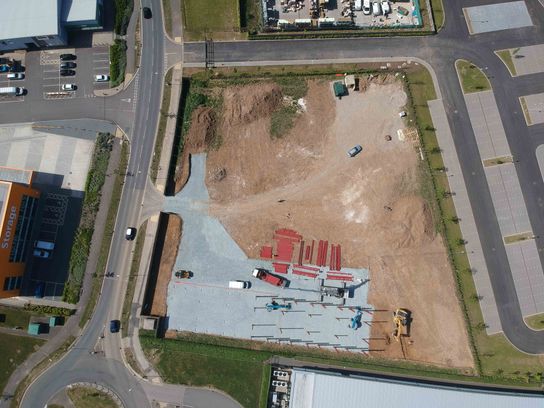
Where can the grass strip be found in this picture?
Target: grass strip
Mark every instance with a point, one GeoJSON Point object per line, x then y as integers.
{"type": "Point", "coordinates": [47, 362]}
{"type": "Point", "coordinates": [472, 78]}
{"type": "Point", "coordinates": [265, 385]}
{"type": "Point", "coordinates": [535, 322]}
{"type": "Point", "coordinates": [118, 62]}
{"type": "Point", "coordinates": [167, 14]}
{"type": "Point", "coordinates": [438, 13]}
{"type": "Point", "coordinates": [108, 235]}
{"type": "Point", "coordinates": [123, 11]}
{"type": "Point", "coordinates": [496, 161]}
{"type": "Point", "coordinates": [16, 316]}
{"type": "Point", "coordinates": [210, 18]}
{"type": "Point", "coordinates": [87, 397]}
{"type": "Point", "coordinates": [506, 58]}
{"type": "Point", "coordinates": [164, 113]}
{"type": "Point", "coordinates": [525, 110]}
{"type": "Point", "coordinates": [91, 203]}
{"type": "Point", "coordinates": [132, 277]}
{"type": "Point", "coordinates": [15, 350]}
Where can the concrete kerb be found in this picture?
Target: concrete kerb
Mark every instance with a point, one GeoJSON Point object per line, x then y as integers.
{"type": "Point", "coordinates": [324, 62]}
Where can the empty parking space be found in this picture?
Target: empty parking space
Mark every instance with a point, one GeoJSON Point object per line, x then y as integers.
{"type": "Point", "coordinates": [487, 125]}
{"type": "Point", "coordinates": [508, 199]}
{"type": "Point", "coordinates": [495, 17]}
{"type": "Point", "coordinates": [528, 276]}
{"type": "Point", "coordinates": [524, 60]}
{"type": "Point", "coordinates": [533, 108]}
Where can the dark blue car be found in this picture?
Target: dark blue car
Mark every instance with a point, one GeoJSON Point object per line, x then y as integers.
{"type": "Point", "coordinates": [115, 325]}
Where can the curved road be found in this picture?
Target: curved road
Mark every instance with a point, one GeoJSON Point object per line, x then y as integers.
{"type": "Point", "coordinates": [440, 51]}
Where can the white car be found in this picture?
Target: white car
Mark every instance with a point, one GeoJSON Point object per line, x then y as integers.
{"type": "Point", "coordinates": [366, 7]}
{"type": "Point", "coordinates": [386, 8]}
{"type": "Point", "coordinates": [376, 9]}
{"type": "Point", "coordinates": [101, 78]}
{"type": "Point", "coordinates": [69, 87]}
{"type": "Point", "coordinates": [16, 75]}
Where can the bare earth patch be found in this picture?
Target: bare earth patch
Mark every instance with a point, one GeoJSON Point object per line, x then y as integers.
{"type": "Point", "coordinates": [370, 204]}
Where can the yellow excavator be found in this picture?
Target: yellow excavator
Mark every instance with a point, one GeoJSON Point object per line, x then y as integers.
{"type": "Point", "coordinates": [401, 319]}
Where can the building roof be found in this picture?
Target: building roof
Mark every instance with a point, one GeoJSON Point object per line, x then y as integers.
{"type": "Point", "coordinates": [4, 194]}
{"type": "Point", "coordinates": [29, 18]}
{"type": "Point", "coordinates": [320, 390]}
{"type": "Point", "coordinates": [19, 176]}
{"type": "Point", "coordinates": [79, 10]}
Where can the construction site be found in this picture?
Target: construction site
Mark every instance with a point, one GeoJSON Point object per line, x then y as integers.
{"type": "Point", "coordinates": [295, 240]}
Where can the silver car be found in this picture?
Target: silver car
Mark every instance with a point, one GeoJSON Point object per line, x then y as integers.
{"type": "Point", "coordinates": [354, 151]}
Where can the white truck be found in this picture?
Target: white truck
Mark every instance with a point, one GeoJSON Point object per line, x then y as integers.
{"type": "Point", "coordinates": [12, 90]}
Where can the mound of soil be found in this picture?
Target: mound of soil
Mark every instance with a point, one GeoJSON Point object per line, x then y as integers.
{"type": "Point", "coordinates": [202, 129]}
{"type": "Point", "coordinates": [250, 102]}
{"type": "Point", "coordinates": [411, 222]}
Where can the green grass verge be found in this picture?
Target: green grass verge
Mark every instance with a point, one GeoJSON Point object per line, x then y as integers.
{"type": "Point", "coordinates": [438, 13]}
{"type": "Point", "coordinates": [133, 275]}
{"type": "Point", "coordinates": [506, 58]}
{"type": "Point", "coordinates": [496, 359]}
{"type": "Point", "coordinates": [209, 18]}
{"type": "Point", "coordinates": [265, 385]}
{"type": "Point", "coordinates": [234, 371]}
{"type": "Point", "coordinates": [510, 239]}
{"type": "Point", "coordinates": [15, 317]}
{"type": "Point", "coordinates": [91, 202]}
{"type": "Point", "coordinates": [118, 62]}
{"type": "Point", "coordinates": [105, 244]}
{"type": "Point", "coordinates": [15, 350]}
{"type": "Point", "coordinates": [159, 140]}
{"type": "Point", "coordinates": [87, 397]}
{"type": "Point", "coordinates": [525, 110]}
{"type": "Point", "coordinates": [37, 370]}
{"type": "Point", "coordinates": [167, 14]}
{"type": "Point", "coordinates": [250, 16]}
{"type": "Point", "coordinates": [123, 11]}
{"type": "Point", "coordinates": [472, 77]}
{"type": "Point", "coordinates": [535, 322]}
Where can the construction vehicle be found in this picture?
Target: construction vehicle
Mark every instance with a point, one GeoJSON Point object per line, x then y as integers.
{"type": "Point", "coordinates": [401, 319]}
{"type": "Point", "coordinates": [181, 274]}
{"type": "Point", "coordinates": [276, 306]}
{"type": "Point", "coordinates": [266, 276]}
{"type": "Point", "coordinates": [356, 320]}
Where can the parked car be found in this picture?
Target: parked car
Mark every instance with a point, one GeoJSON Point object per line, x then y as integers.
{"type": "Point", "coordinates": [39, 290]}
{"type": "Point", "coordinates": [115, 325]}
{"type": "Point", "coordinates": [41, 253]}
{"type": "Point", "coordinates": [67, 57]}
{"type": "Point", "coordinates": [147, 13]}
{"type": "Point", "coordinates": [386, 8]}
{"type": "Point", "coordinates": [69, 87]}
{"type": "Point", "coordinates": [238, 284]}
{"type": "Point", "coordinates": [101, 78]}
{"type": "Point", "coordinates": [130, 233]}
{"type": "Point", "coordinates": [376, 8]}
{"type": "Point", "coordinates": [182, 274]}
{"type": "Point", "coordinates": [67, 72]}
{"type": "Point", "coordinates": [354, 151]}
{"type": "Point", "coordinates": [67, 65]}
{"type": "Point", "coordinates": [366, 7]}
{"type": "Point", "coordinates": [16, 75]}
{"type": "Point", "coordinates": [4, 68]}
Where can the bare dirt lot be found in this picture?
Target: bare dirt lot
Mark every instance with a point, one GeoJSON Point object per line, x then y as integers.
{"type": "Point", "coordinates": [370, 204]}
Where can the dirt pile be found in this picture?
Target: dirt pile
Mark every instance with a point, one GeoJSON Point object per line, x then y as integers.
{"type": "Point", "coordinates": [411, 223]}
{"type": "Point", "coordinates": [201, 130]}
{"type": "Point", "coordinates": [248, 103]}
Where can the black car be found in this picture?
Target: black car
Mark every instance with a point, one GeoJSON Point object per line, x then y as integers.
{"type": "Point", "coordinates": [115, 325]}
{"type": "Point", "coordinates": [67, 65]}
{"type": "Point", "coordinates": [67, 57]}
{"type": "Point", "coordinates": [147, 12]}
{"type": "Point", "coordinates": [67, 72]}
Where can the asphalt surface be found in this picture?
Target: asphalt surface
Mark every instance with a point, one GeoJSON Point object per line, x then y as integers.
{"type": "Point", "coordinates": [440, 51]}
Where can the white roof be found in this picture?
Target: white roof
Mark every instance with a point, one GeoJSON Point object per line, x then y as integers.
{"type": "Point", "coordinates": [29, 18]}
{"type": "Point", "coordinates": [318, 390]}
{"type": "Point", "coordinates": [79, 10]}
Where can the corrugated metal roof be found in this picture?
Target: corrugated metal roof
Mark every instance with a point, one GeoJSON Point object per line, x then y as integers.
{"type": "Point", "coordinates": [79, 10]}
{"type": "Point", "coordinates": [20, 176]}
{"type": "Point", "coordinates": [29, 18]}
{"type": "Point", "coordinates": [318, 390]}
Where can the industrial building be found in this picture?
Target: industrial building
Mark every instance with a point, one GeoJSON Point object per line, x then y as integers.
{"type": "Point", "coordinates": [18, 206]}
{"type": "Point", "coordinates": [314, 389]}
{"type": "Point", "coordinates": [35, 24]}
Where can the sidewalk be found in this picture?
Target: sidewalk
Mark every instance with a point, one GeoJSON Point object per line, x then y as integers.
{"type": "Point", "coordinates": [71, 328]}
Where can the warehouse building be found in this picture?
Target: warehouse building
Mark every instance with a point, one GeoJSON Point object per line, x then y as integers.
{"type": "Point", "coordinates": [36, 24]}
{"type": "Point", "coordinates": [18, 206]}
{"type": "Point", "coordinates": [314, 389]}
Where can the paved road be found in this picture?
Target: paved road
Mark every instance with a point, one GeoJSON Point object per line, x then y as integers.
{"type": "Point", "coordinates": [441, 51]}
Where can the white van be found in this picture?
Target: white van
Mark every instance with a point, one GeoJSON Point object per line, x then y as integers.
{"type": "Point", "coordinates": [358, 5]}
{"type": "Point", "coordinates": [376, 8]}
{"type": "Point", "coordinates": [238, 284]}
{"type": "Point", "coordinates": [366, 7]}
{"type": "Point", "coordinates": [44, 245]}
